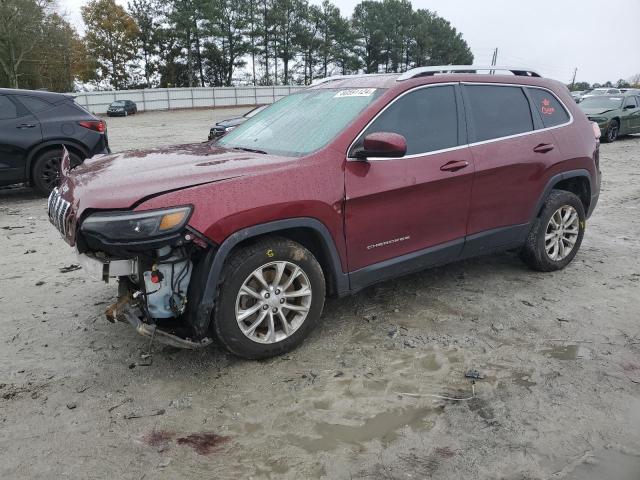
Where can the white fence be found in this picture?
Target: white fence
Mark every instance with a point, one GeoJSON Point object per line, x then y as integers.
{"type": "Point", "coordinates": [196, 97]}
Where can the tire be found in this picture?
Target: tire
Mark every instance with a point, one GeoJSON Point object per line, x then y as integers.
{"type": "Point", "coordinates": [268, 339]}
{"type": "Point", "coordinates": [544, 236]}
{"type": "Point", "coordinates": [613, 130]}
{"type": "Point", "coordinates": [46, 170]}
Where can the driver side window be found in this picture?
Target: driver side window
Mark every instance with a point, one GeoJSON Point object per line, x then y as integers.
{"type": "Point", "coordinates": [631, 102]}
{"type": "Point", "coordinates": [427, 118]}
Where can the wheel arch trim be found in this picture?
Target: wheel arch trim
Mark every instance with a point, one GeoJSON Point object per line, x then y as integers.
{"type": "Point", "coordinates": [556, 179]}
{"type": "Point", "coordinates": [217, 260]}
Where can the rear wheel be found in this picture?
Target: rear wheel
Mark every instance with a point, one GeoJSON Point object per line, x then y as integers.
{"type": "Point", "coordinates": [271, 297]}
{"type": "Point", "coordinates": [556, 235]}
{"type": "Point", "coordinates": [613, 130]}
{"type": "Point", "coordinates": [46, 170]}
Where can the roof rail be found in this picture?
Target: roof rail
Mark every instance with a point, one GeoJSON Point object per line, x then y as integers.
{"type": "Point", "coordinates": [428, 71]}
{"type": "Point", "coordinates": [334, 78]}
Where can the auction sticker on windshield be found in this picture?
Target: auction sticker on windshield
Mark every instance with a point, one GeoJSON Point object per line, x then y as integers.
{"type": "Point", "coordinates": [355, 92]}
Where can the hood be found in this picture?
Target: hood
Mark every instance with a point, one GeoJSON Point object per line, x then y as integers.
{"type": "Point", "coordinates": [231, 122]}
{"type": "Point", "coordinates": [121, 180]}
{"type": "Point", "coordinates": [597, 111]}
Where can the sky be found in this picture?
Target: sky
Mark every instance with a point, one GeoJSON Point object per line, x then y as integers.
{"type": "Point", "coordinates": [553, 37]}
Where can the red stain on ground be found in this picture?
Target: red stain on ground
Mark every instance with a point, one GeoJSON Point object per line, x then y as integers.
{"type": "Point", "coordinates": [445, 452]}
{"type": "Point", "coordinates": [158, 438]}
{"type": "Point", "coordinates": [203, 443]}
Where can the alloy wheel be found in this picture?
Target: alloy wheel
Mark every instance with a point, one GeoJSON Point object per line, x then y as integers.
{"type": "Point", "coordinates": [612, 132]}
{"type": "Point", "coordinates": [273, 302]}
{"type": "Point", "coordinates": [561, 233]}
{"type": "Point", "coordinates": [51, 172]}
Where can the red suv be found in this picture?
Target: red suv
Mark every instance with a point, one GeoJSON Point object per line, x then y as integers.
{"type": "Point", "coordinates": [354, 180]}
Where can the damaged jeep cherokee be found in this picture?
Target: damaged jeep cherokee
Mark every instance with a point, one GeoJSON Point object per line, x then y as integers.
{"type": "Point", "coordinates": [354, 180]}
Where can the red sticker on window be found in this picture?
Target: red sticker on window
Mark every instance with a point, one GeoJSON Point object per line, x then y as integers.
{"type": "Point", "coordinates": [547, 109]}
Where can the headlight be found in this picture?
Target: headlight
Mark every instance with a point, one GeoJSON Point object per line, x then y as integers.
{"type": "Point", "coordinates": [599, 119]}
{"type": "Point", "coordinates": [228, 129]}
{"type": "Point", "coordinates": [136, 225]}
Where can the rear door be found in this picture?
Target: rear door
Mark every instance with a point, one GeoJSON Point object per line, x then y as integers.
{"type": "Point", "coordinates": [512, 151]}
{"type": "Point", "coordinates": [399, 206]}
{"type": "Point", "coordinates": [19, 131]}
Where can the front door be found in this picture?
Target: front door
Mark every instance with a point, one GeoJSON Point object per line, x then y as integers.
{"type": "Point", "coordinates": [19, 130]}
{"type": "Point", "coordinates": [631, 115]}
{"type": "Point", "coordinates": [405, 213]}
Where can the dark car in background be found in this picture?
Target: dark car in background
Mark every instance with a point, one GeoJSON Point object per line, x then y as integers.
{"type": "Point", "coordinates": [225, 126]}
{"type": "Point", "coordinates": [616, 115]}
{"type": "Point", "coordinates": [122, 108]}
{"type": "Point", "coordinates": [34, 126]}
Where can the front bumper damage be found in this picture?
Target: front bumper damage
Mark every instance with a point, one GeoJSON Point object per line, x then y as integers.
{"type": "Point", "coordinates": [127, 310]}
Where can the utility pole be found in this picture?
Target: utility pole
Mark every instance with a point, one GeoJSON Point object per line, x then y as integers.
{"type": "Point", "coordinates": [573, 80]}
{"type": "Point", "coordinates": [494, 59]}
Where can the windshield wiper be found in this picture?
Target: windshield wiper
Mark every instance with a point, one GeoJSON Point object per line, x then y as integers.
{"type": "Point", "coordinates": [252, 150]}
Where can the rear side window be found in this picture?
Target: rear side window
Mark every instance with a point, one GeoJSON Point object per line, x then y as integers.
{"type": "Point", "coordinates": [497, 111]}
{"type": "Point", "coordinates": [549, 108]}
{"type": "Point", "coordinates": [33, 104]}
{"type": "Point", "coordinates": [427, 118]}
{"type": "Point", "coordinates": [7, 108]}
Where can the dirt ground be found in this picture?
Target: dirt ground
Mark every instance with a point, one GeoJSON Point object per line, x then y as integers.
{"type": "Point", "coordinates": [560, 353]}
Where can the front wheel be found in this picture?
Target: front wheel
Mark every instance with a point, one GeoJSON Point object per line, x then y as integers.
{"type": "Point", "coordinates": [613, 130]}
{"type": "Point", "coordinates": [556, 235]}
{"type": "Point", "coordinates": [271, 297]}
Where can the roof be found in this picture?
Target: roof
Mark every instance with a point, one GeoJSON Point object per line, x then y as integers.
{"type": "Point", "coordinates": [45, 95]}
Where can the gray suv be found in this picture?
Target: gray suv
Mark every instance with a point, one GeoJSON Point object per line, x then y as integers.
{"type": "Point", "coordinates": [34, 126]}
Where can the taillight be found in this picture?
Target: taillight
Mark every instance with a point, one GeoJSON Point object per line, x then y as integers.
{"type": "Point", "coordinates": [96, 125]}
{"type": "Point", "coordinates": [596, 130]}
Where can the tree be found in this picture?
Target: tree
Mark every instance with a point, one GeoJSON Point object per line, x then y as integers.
{"type": "Point", "coordinates": [111, 39]}
{"type": "Point", "coordinates": [62, 58]}
{"type": "Point", "coordinates": [368, 21]}
{"type": "Point", "coordinates": [229, 20]}
{"type": "Point", "coordinates": [146, 16]}
{"type": "Point", "coordinates": [20, 30]}
{"type": "Point", "coordinates": [622, 83]}
{"type": "Point", "coordinates": [447, 44]}
{"type": "Point", "coordinates": [581, 86]}
{"type": "Point", "coordinates": [287, 14]}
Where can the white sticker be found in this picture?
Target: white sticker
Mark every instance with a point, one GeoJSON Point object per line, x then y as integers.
{"type": "Point", "coordinates": [355, 92]}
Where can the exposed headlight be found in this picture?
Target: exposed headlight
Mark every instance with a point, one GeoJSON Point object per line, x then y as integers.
{"type": "Point", "coordinates": [136, 225]}
{"type": "Point", "coordinates": [599, 119]}
{"type": "Point", "coordinates": [228, 129]}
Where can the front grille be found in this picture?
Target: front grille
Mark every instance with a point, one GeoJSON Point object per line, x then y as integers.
{"type": "Point", "coordinates": [58, 210]}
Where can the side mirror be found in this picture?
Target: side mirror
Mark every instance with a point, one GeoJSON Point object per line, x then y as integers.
{"type": "Point", "coordinates": [382, 144]}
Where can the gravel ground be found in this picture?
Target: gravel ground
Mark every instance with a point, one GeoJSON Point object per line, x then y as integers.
{"type": "Point", "coordinates": [560, 353]}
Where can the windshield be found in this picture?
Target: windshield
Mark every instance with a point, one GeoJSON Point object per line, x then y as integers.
{"type": "Point", "coordinates": [602, 102]}
{"type": "Point", "coordinates": [301, 123]}
{"type": "Point", "coordinates": [598, 92]}
{"type": "Point", "coordinates": [118, 103]}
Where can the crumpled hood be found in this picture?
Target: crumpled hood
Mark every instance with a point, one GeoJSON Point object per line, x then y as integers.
{"type": "Point", "coordinates": [121, 180]}
{"type": "Point", "coordinates": [596, 111]}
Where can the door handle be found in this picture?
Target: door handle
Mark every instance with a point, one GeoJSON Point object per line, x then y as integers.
{"type": "Point", "coordinates": [454, 166]}
{"type": "Point", "coordinates": [544, 147]}
{"type": "Point", "coordinates": [26, 125]}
